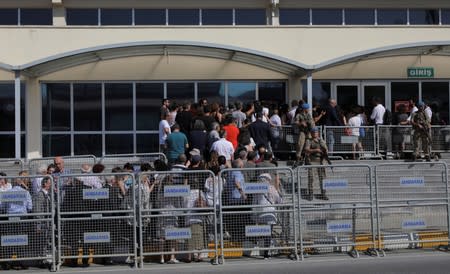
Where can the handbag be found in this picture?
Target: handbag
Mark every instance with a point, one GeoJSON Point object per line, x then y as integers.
{"type": "Point", "coordinates": [347, 131]}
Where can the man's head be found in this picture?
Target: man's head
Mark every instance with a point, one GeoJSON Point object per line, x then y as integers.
{"type": "Point", "coordinates": [59, 162]}
{"type": "Point", "coordinates": [315, 132]}
{"type": "Point", "coordinates": [46, 183]}
{"type": "Point", "coordinates": [305, 107]}
{"type": "Point", "coordinates": [420, 105]}
{"type": "Point", "coordinates": [332, 102]}
{"type": "Point", "coordinates": [165, 102]}
{"type": "Point", "coordinates": [86, 168]}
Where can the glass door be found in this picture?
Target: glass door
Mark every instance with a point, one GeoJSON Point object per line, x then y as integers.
{"type": "Point", "coordinates": [374, 90]}
{"type": "Point", "coordinates": [346, 95]}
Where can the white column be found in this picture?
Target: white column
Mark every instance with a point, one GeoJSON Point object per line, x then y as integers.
{"type": "Point", "coordinates": [309, 90]}
{"type": "Point", "coordinates": [33, 119]}
{"type": "Point", "coordinates": [17, 113]}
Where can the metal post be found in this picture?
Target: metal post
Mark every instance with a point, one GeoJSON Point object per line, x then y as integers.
{"type": "Point", "coordinates": [17, 113]}
{"type": "Point", "coordinates": [309, 90]}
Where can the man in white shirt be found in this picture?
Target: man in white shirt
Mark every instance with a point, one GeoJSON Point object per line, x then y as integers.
{"type": "Point", "coordinates": [291, 113]}
{"type": "Point", "coordinates": [164, 131]}
{"type": "Point", "coordinates": [224, 147]}
{"type": "Point", "coordinates": [377, 112]}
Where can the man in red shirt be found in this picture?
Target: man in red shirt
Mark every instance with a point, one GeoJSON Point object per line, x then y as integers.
{"type": "Point", "coordinates": [232, 131]}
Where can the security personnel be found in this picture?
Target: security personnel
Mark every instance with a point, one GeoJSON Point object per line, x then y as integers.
{"type": "Point", "coordinates": [421, 128]}
{"type": "Point", "coordinates": [304, 122]}
{"type": "Point", "coordinates": [315, 149]}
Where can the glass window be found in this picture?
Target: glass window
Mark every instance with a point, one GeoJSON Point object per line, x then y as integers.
{"type": "Point", "coordinates": [391, 16]}
{"type": "Point", "coordinates": [250, 17]}
{"type": "Point", "coordinates": [213, 92]}
{"type": "Point", "coordinates": [116, 17]}
{"type": "Point", "coordinates": [327, 16]}
{"type": "Point", "coordinates": [272, 92]}
{"type": "Point", "coordinates": [87, 104]}
{"type": "Point", "coordinates": [404, 91]}
{"type": "Point", "coordinates": [294, 17]}
{"type": "Point", "coordinates": [56, 107]}
{"type": "Point", "coordinates": [7, 107]}
{"type": "Point", "coordinates": [82, 17]}
{"type": "Point", "coordinates": [359, 16]}
{"type": "Point", "coordinates": [149, 16]}
{"type": "Point", "coordinates": [445, 16]}
{"type": "Point", "coordinates": [118, 143]}
{"type": "Point", "coordinates": [85, 144]}
{"type": "Point", "coordinates": [423, 17]}
{"type": "Point", "coordinates": [53, 145]}
{"type": "Point", "coordinates": [147, 142]}
{"type": "Point", "coordinates": [180, 92]}
{"type": "Point", "coordinates": [7, 146]}
{"type": "Point", "coordinates": [217, 17]}
{"type": "Point", "coordinates": [241, 91]}
{"type": "Point", "coordinates": [435, 95]}
{"type": "Point", "coordinates": [118, 106]}
{"type": "Point", "coordinates": [347, 96]}
{"type": "Point", "coordinates": [321, 92]}
{"type": "Point", "coordinates": [9, 17]}
{"type": "Point", "coordinates": [36, 17]}
{"type": "Point", "coordinates": [184, 17]}
{"type": "Point", "coordinates": [148, 103]}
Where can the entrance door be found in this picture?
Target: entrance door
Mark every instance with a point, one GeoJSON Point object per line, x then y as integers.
{"type": "Point", "coordinates": [372, 90]}
{"type": "Point", "coordinates": [346, 95]}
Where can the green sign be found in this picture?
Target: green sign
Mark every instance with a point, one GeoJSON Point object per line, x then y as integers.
{"type": "Point", "coordinates": [419, 72]}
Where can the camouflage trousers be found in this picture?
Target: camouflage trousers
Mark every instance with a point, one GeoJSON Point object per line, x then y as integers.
{"type": "Point", "coordinates": [420, 138]}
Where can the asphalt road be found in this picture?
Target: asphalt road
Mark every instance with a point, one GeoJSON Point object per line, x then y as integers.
{"type": "Point", "coordinates": [415, 262]}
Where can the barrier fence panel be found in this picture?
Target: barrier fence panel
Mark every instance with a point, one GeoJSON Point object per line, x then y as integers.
{"type": "Point", "coordinates": [412, 205]}
{"type": "Point", "coordinates": [336, 209]}
{"type": "Point", "coordinates": [111, 161]}
{"type": "Point", "coordinates": [357, 142]}
{"type": "Point", "coordinates": [177, 216]}
{"type": "Point", "coordinates": [11, 167]}
{"type": "Point", "coordinates": [72, 163]}
{"type": "Point", "coordinates": [27, 223]}
{"type": "Point", "coordinates": [440, 136]}
{"type": "Point", "coordinates": [257, 213]}
{"type": "Point", "coordinates": [288, 138]}
{"type": "Point", "coordinates": [96, 219]}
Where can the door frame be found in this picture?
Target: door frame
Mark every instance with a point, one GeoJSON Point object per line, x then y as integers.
{"type": "Point", "coordinates": [387, 92]}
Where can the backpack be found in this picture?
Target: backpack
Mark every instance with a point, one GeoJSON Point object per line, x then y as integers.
{"type": "Point", "coordinates": [387, 117]}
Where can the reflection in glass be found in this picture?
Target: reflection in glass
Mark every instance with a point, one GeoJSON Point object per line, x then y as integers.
{"type": "Point", "coordinates": [149, 16]}
{"type": "Point", "coordinates": [118, 106]}
{"type": "Point", "coordinates": [36, 17]}
{"type": "Point", "coordinates": [391, 16]}
{"type": "Point", "coordinates": [213, 92]}
{"type": "Point", "coordinates": [327, 16]}
{"type": "Point", "coordinates": [184, 17]}
{"type": "Point", "coordinates": [147, 143]}
{"type": "Point", "coordinates": [435, 95]}
{"type": "Point", "coordinates": [180, 92]}
{"type": "Point", "coordinates": [423, 17]}
{"type": "Point", "coordinates": [148, 103]}
{"type": "Point", "coordinates": [54, 145]}
{"type": "Point", "coordinates": [294, 17]}
{"type": "Point", "coordinates": [359, 16]}
{"type": "Point", "coordinates": [9, 17]}
{"type": "Point", "coordinates": [88, 144]}
{"type": "Point", "coordinates": [404, 91]}
{"type": "Point", "coordinates": [241, 91]}
{"type": "Point", "coordinates": [56, 107]}
{"type": "Point", "coordinates": [250, 17]}
{"type": "Point", "coordinates": [116, 17]}
{"type": "Point", "coordinates": [321, 92]}
{"type": "Point", "coordinates": [87, 106]}
{"type": "Point", "coordinates": [82, 17]}
{"type": "Point", "coordinates": [118, 143]}
{"type": "Point", "coordinates": [272, 92]}
{"type": "Point", "coordinates": [217, 16]}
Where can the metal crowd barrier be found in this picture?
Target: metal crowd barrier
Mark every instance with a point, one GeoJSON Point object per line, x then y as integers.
{"type": "Point", "coordinates": [72, 163]}
{"type": "Point", "coordinates": [288, 139]}
{"type": "Point", "coordinates": [11, 167]}
{"type": "Point", "coordinates": [412, 201]}
{"type": "Point", "coordinates": [176, 215]}
{"type": "Point", "coordinates": [27, 223]}
{"type": "Point", "coordinates": [257, 210]}
{"type": "Point", "coordinates": [114, 160]}
{"type": "Point", "coordinates": [343, 140]}
{"type": "Point", "coordinates": [335, 209]}
{"type": "Point", "coordinates": [96, 219]}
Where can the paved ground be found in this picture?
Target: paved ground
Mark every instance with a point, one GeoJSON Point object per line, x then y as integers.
{"type": "Point", "coordinates": [409, 262]}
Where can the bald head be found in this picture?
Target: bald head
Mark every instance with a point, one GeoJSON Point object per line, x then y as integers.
{"type": "Point", "coordinates": [332, 102]}
{"type": "Point", "coordinates": [59, 162]}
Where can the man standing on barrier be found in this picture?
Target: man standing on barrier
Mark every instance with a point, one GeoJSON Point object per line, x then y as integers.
{"type": "Point", "coordinates": [421, 126]}
{"type": "Point", "coordinates": [315, 150]}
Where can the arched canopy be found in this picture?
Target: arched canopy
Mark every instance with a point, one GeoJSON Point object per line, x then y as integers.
{"type": "Point", "coordinates": [107, 52]}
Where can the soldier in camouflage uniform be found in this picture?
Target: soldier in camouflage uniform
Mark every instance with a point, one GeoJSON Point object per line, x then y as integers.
{"type": "Point", "coordinates": [304, 122]}
{"type": "Point", "coordinates": [315, 148]}
{"type": "Point", "coordinates": [421, 126]}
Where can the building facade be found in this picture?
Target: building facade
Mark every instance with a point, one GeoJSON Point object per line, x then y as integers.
{"type": "Point", "coordinates": [87, 76]}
